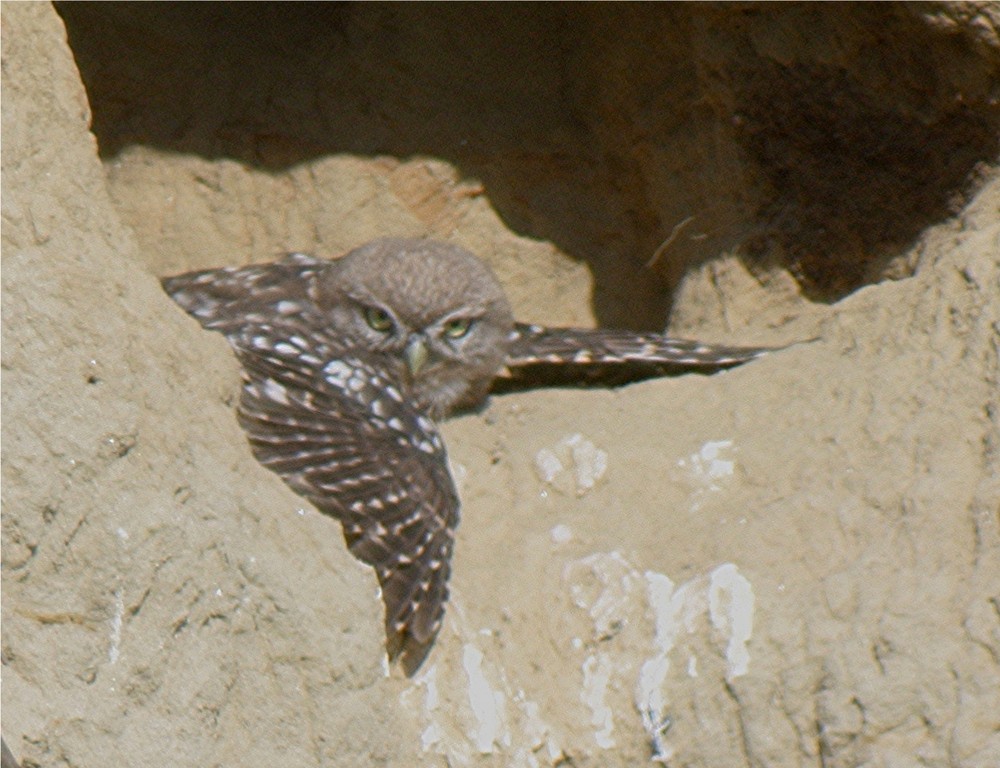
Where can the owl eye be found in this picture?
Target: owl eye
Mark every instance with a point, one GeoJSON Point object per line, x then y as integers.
{"type": "Point", "coordinates": [457, 327]}
{"type": "Point", "coordinates": [378, 319]}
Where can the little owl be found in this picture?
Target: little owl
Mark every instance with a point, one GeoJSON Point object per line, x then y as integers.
{"type": "Point", "coordinates": [348, 363]}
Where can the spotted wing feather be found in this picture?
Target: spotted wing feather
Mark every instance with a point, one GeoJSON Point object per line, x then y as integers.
{"type": "Point", "coordinates": [227, 299]}
{"type": "Point", "coordinates": [333, 423]}
{"type": "Point", "coordinates": [340, 433]}
{"type": "Point", "coordinates": [538, 345]}
{"type": "Point", "coordinates": [540, 356]}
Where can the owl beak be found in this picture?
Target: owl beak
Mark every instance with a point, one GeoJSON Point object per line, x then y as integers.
{"type": "Point", "coordinates": [416, 355]}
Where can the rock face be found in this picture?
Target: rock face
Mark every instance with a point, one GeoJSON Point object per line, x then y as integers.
{"type": "Point", "coordinates": [796, 562]}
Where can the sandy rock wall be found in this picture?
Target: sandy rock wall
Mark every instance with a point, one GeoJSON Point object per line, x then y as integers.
{"type": "Point", "coordinates": [796, 562]}
{"type": "Point", "coordinates": [810, 143]}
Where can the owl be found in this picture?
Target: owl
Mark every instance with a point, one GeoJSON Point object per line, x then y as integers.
{"type": "Point", "coordinates": [348, 364]}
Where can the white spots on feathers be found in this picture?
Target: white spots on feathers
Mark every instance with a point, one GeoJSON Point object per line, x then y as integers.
{"type": "Point", "coordinates": [352, 481]}
{"type": "Point", "coordinates": [276, 391]}
{"type": "Point", "coordinates": [207, 308]}
{"type": "Point", "coordinates": [335, 421]}
{"type": "Point", "coordinates": [379, 504]}
{"type": "Point", "coordinates": [426, 424]}
{"type": "Point", "coordinates": [414, 431]}
{"type": "Point", "coordinates": [337, 372]}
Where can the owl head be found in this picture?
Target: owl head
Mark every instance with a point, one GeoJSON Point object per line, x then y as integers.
{"type": "Point", "coordinates": [433, 310]}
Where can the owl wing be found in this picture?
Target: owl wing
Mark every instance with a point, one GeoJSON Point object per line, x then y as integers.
{"type": "Point", "coordinates": [538, 354]}
{"type": "Point", "coordinates": [336, 427]}
{"type": "Point", "coordinates": [339, 432]}
{"type": "Point", "coordinates": [227, 299]}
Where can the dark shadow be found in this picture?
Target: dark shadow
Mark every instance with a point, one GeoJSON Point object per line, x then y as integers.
{"type": "Point", "coordinates": [852, 180]}
{"type": "Point", "coordinates": [588, 125]}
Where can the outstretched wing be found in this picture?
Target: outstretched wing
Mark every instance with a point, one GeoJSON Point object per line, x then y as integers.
{"type": "Point", "coordinates": [332, 425]}
{"type": "Point", "coordinates": [227, 299]}
{"type": "Point", "coordinates": [541, 355]}
{"type": "Point", "coordinates": [534, 344]}
{"type": "Point", "coordinates": [336, 425]}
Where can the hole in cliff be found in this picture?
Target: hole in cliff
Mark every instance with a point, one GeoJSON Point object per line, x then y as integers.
{"type": "Point", "coordinates": [818, 139]}
{"type": "Point", "coordinates": [851, 179]}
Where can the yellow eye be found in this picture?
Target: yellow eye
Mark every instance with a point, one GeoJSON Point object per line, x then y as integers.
{"type": "Point", "coordinates": [457, 327]}
{"type": "Point", "coordinates": [378, 319]}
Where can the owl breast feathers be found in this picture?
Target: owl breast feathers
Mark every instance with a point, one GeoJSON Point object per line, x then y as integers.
{"type": "Point", "coordinates": [348, 363]}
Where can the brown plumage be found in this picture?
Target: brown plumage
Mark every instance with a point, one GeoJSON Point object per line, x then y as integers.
{"type": "Point", "coordinates": [347, 363]}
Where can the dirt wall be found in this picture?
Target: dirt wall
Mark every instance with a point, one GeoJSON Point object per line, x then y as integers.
{"type": "Point", "coordinates": [796, 562]}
